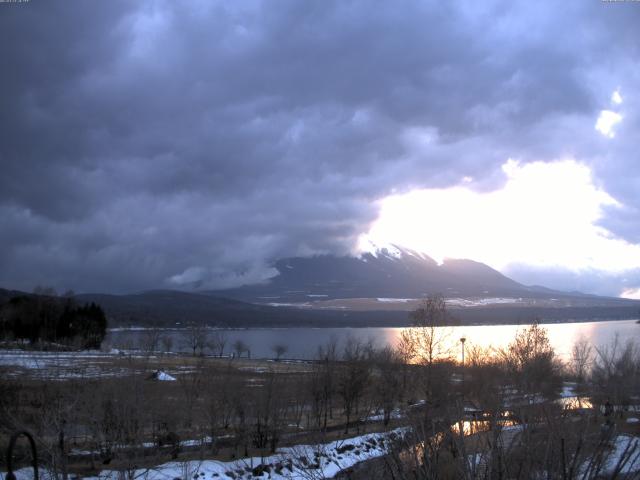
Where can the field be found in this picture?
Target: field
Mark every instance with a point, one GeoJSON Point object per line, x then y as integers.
{"type": "Point", "coordinates": [119, 406]}
{"type": "Point", "coordinates": [149, 414]}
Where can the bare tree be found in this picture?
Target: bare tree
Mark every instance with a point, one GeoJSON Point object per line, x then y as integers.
{"type": "Point", "coordinates": [353, 378]}
{"type": "Point", "coordinates": [120, 413]}
{"type": "Point", "coordinates": [387, 384]}
{"type": "Point", "coordinates": [427, 341]}
{"type": "Point", "coordinates": [322, 384]}
{"type": "Point", "coordinates": [239, 347]}
{"type": "Point", "coordinates": [616, 372]}
{"type": "Point", "coordinates": [219, 392]}
{"type": "Point", "coordinates": [406, 353]}
{"type": "Point", "coordinates": [151, 340]}
{"type": "Point", "coordinates": [218, 342]}
{"type": "Point", "coordinates": [167, 343]}
{"type": "Point", "coordinates": [279, 350]}
{"type": "Point", "coordinates": [268, 411]}
{"type": "Point", "coordinates": [581, 359]}
{"type": "Point", "coordinates": [191, 385]}
{"type": "Point", "coordinates": [195, 338]}
{"type": "Point", "coordinates": [532, 362]}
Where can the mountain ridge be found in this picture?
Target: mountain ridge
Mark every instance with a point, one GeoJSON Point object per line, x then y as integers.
{"type": "Point", "coordinates": [375, 289]}
{"type": "Point", "coordinates": [390, 271]}
{"type": "Point", "coordinates": [175, 309]}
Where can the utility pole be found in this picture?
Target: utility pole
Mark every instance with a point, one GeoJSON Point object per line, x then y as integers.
{"type": "Point", "coordinates": [462, 340]}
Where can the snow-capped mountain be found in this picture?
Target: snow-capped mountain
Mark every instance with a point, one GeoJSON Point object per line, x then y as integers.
{"type": "Point", "coordinates": [376, 288]}
{"type": "Point", "coordinates": [385, 271]}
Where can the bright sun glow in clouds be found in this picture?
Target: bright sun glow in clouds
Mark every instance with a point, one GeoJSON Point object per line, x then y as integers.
{"type": "Point", "coordinates": [546, 215]}
{"type": "Point", "coordinates": [606, 121]}
{"type": "Point", "coordinates": [633, 293]}
{"type": "Point", "coordinates": [608, 118]}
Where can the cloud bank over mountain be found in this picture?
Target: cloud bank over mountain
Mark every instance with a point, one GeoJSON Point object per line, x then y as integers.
{"type": "Point", "coordinates": [158, 144]}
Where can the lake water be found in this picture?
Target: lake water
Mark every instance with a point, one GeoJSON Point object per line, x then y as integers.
{"type": "Point", "coordinates": [303, 343]}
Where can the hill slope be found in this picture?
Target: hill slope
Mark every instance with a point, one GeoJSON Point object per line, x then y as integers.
{"type": "Point", "coordinates": [375, 289]}
{"type": "Point", "coordinates": [389, 272]}
{"type": "Point", "coordinates": [175, 309]}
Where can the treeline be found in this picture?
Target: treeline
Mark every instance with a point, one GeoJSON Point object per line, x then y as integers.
{"type": "Point", "coordinates": [46, 318]}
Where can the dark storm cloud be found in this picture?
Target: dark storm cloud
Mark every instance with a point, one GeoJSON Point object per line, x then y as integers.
{"type": "Point", "coordinates": [156, 144]}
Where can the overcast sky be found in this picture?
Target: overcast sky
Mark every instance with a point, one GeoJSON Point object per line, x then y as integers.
{"type": "Point", "coordinates": [189, 144]}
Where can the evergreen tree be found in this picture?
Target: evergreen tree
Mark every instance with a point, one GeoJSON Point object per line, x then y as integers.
{"type": "Point", "coordinates": [52, 319]}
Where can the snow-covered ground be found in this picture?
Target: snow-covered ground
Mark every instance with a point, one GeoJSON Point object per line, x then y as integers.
{"type": "Point", "coordinates": [299, 462]}
{"type": "Point", "coordinates": [37, 359]}
{"type": "Point", "coordinates": [395, 300]}
{"type": "Point", "coordinates": [624, 457]}
{"type": "Point", "coordinates": [463, 302]}
{"type": "Point", "coordinates": [165, 377]}
{"type": "Point", "coordinates": [59, 365]}
{"type": "Point", "coordinates": [66, 365]}
{"type": "Point", "coordinates": [477, 302]}
{"type": "Point", "coordinates": [297, 305]}
{"type": "Point", "coordinates": [378, 416]}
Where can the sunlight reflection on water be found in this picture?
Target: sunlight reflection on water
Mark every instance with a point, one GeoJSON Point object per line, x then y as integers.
{"type": "Point", "coordinates": [575, 403]}
{"type": "Point", "coordinates": [561, 335]}
{"type": "Point", "coordinates": [471, 427]}
{"type": "Point", "coordinates": [304, 342]}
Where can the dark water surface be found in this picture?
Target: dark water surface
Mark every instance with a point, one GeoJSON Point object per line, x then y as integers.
{"type": "Point", "coordinates": [303, 343]}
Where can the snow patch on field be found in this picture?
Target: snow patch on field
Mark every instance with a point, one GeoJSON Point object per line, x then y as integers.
{"type": "Point", "coordinates": [478, 302]}
{"type": "Point", "coordinates": [254, 369]}
{"type": "Point", "coordinates": [395, 414]}
{"type": "Point", "coordinates": [297, 305]}
{"type": "Point", "coordinates": [38, 359]}
{"type": "Point", "coordinates": [165, 377]}
{"type": "Point", "coordinates": [62, 366]}
{"type": "Point", "coordinates": [59, 365]}
{"type": "Point", "coordinates": [621, 457]}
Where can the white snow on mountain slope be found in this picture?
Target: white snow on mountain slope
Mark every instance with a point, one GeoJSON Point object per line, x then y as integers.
{"type": "Point", "coordinates": [378, 250]}
{"type": "Point", "coordinates": [389, 250]}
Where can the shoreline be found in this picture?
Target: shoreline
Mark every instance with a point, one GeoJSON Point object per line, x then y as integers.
{"type": "Point", "coordinates": [352, 326]}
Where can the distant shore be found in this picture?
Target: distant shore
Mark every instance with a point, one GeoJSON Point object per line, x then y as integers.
{"type": "Point", "coordinates": [400, 319]}
{"type": "Point", "coordinates": [210, 327]}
